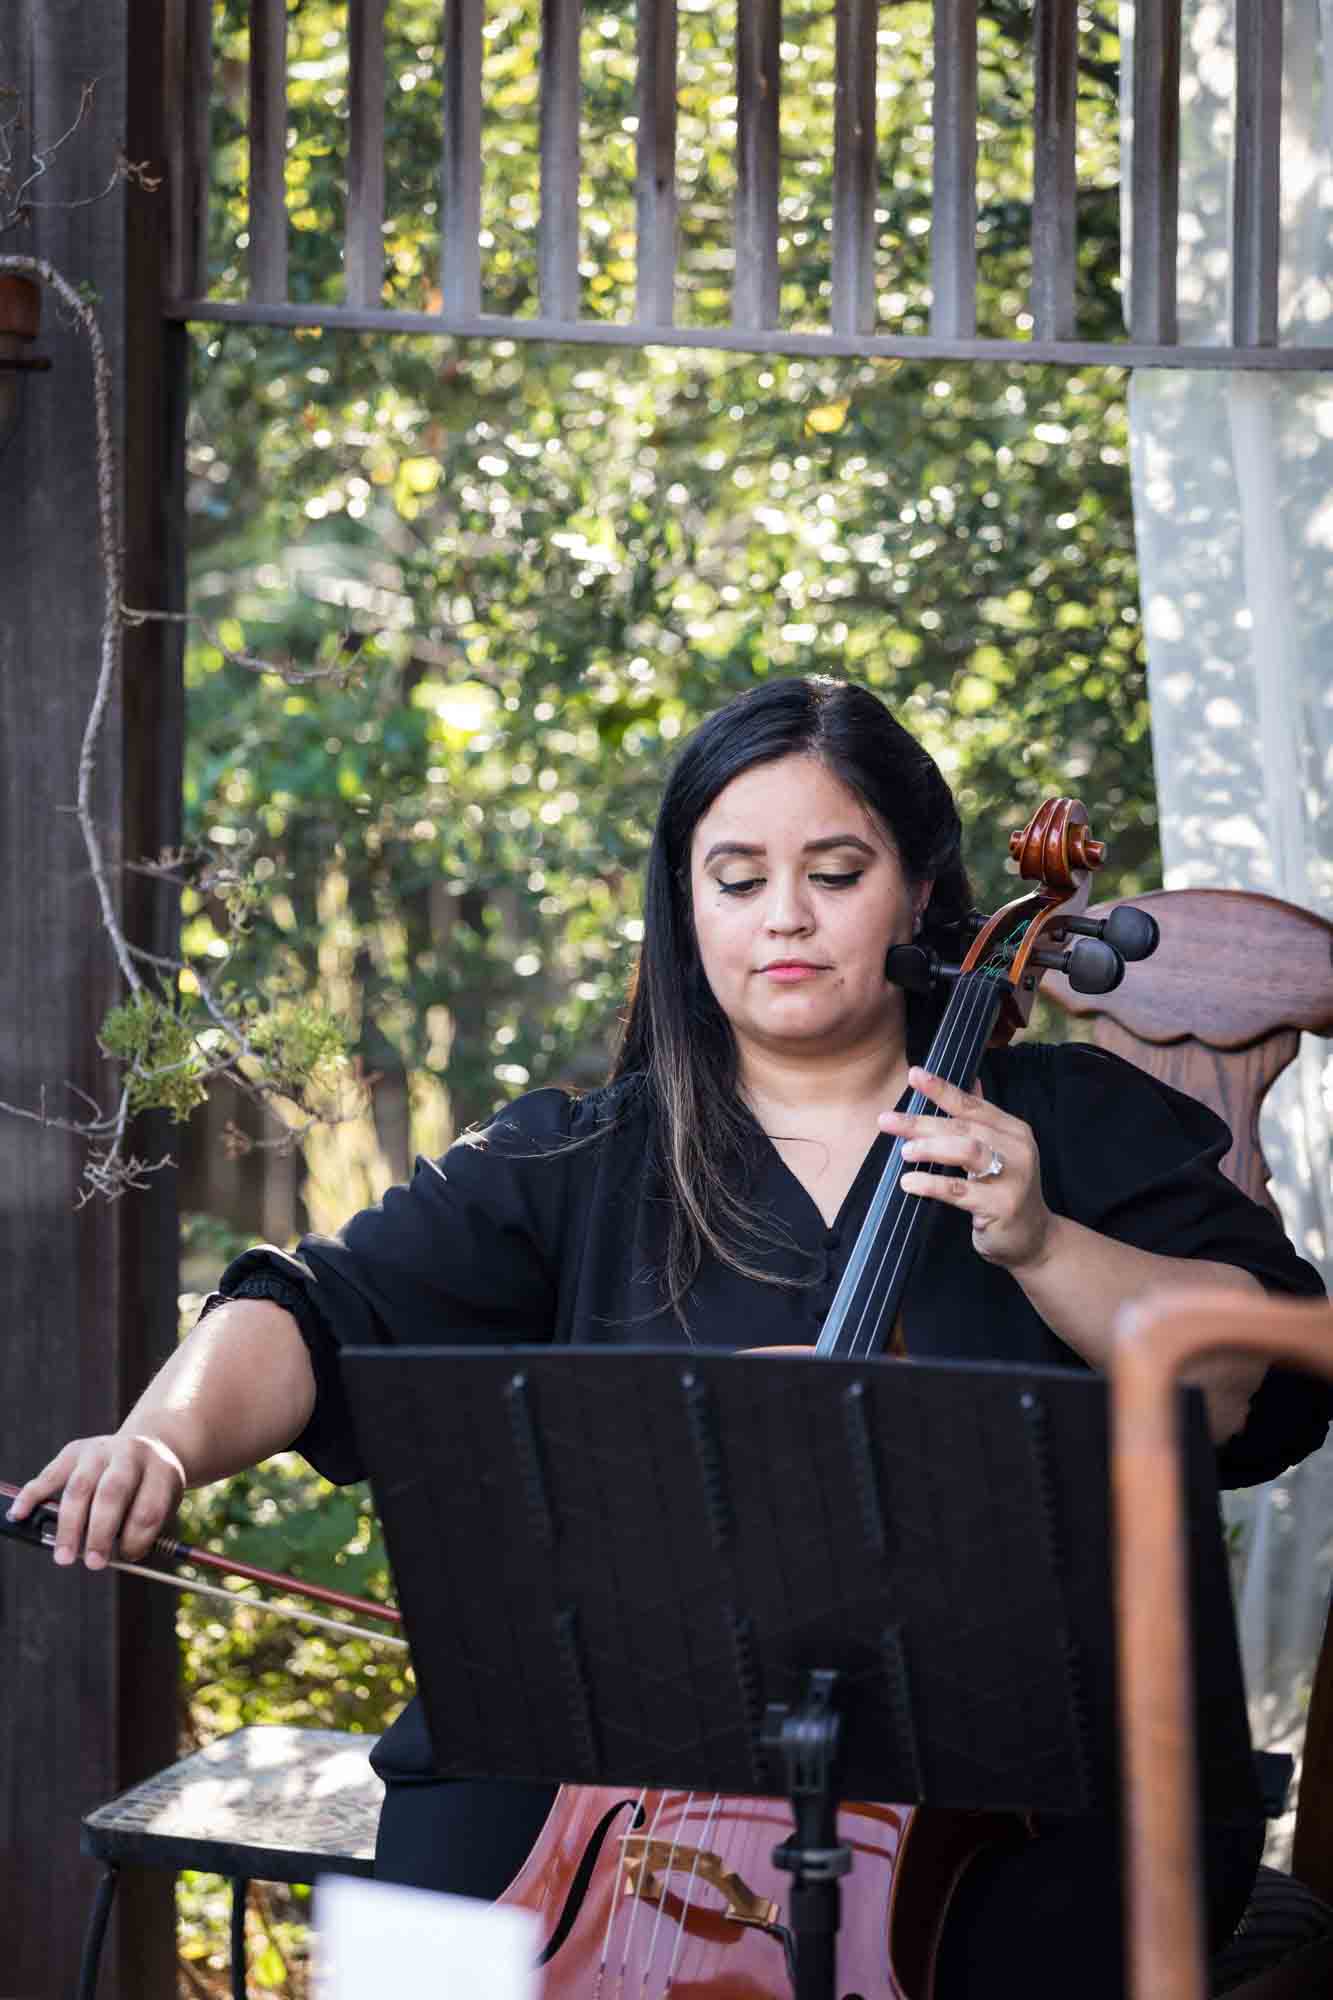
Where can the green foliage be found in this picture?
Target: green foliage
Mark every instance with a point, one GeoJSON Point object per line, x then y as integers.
{"type": "Point", "coordinates": [297, 1043]}
{"type": "Point", "coordinates": [560, 558]}
{"type": "Point", "coordinates": [156, 1038]}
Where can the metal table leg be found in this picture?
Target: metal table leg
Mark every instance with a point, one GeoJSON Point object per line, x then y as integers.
{"type": "Point", "coordinates": [95, 1935]}
{"type": "Point", "coordinates": [240, 1889]}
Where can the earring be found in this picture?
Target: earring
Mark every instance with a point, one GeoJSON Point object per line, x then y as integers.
{"type": "Point", "coordinates": [917, 922]}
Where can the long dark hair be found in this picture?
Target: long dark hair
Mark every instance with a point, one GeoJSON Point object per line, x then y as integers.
{"type": "Point", "coordinates": [676, 1037]}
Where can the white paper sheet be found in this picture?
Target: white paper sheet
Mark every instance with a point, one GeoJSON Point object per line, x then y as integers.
{"type": "Point", "coordinates": [377, 1938]}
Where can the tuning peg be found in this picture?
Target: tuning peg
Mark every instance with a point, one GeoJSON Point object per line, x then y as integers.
{"type": "Point", "coordinates": [912, 967]}
{"type": "Point", "coordinates": [1129, 931]}
{"type": "Point", "coordinates": [1090, 965]}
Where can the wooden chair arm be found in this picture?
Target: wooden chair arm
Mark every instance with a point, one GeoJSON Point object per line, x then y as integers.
{"type": "Point", "coordinates": [1154, 1342]}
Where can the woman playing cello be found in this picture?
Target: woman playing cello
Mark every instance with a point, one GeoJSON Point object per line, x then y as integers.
{"type": "Point", "coordinates": [710, 1193]}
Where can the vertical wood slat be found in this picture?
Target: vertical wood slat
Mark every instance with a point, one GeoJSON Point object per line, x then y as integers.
{"type": "Point", "coordinates": [855, 164]}
{"type": "Point", "coordinates": [558, 236]}
{"type": "Point", "coordinates": [655, 181]}
{"type": "Point", "coordinates": [953, 225]}
{"type": "Point", "coordinates": [1256, 174]}
{"type": "Point", "coordinates": [1155, 173]}
{"type": "Point", "coordinates": [1055, 192]}
{"type": "Point", "coordinates": [187, 86]}
{"type": "Point", "coordinates": [460, 247]}
{"type": "Point", "coordinates": [363, 252]}
{"type": "Point", "coordinates": [268, 150]}
{"type": "Point", "coordinates": [754, 301]}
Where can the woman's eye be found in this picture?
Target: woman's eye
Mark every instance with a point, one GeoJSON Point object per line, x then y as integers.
{"type": "Point", "coordinates": [839, 881]}
{"type": "Point", "coordinates": [741, 888]}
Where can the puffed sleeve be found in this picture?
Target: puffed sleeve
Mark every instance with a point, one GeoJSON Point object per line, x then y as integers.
{"type": "Point", "coordinates": [466, 1252]}
{"type": "Point", "coordinates": [1139, 1161]}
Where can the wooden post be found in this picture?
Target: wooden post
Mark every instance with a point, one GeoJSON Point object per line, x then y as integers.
{"type": "Point", "coordinates": [953, 208]}
{"type": "Point", "coordinates": [87, 1663]}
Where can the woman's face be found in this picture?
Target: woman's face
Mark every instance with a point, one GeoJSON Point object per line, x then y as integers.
{"type": "Point", "coordinates": [798, 893]}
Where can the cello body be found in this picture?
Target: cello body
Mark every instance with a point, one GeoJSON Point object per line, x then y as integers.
{"type": "Point", "coordinates": [675, 1895]}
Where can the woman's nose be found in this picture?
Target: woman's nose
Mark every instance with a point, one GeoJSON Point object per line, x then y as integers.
{"type": "Point", "coordinates": [788, 910]}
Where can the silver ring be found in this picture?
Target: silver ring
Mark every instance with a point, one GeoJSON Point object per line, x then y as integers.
{"type": "Point", "coordinates": [991, 1172]}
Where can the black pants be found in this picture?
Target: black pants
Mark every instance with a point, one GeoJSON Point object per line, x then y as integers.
{"type": "Point", "coordinates": [1047, 1918]}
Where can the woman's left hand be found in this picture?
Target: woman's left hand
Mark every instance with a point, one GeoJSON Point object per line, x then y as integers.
{"type": "Point", "coordinates": [997, 1153]}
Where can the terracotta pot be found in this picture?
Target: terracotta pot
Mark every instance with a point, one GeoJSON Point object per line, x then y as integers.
{"type": "Point", "coordinates": [20, 306]}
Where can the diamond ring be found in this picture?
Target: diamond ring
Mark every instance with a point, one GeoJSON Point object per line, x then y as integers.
{"type": "Point", "coordinates": [991, 1172]}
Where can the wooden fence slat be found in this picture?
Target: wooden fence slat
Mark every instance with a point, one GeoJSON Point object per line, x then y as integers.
{"type": "Point", "coordinates": [754, 301]}
{"type": "Point", "coordinates": [655, 182]}
{"type": "Point", "coordinates": [363, 254]}
{"type": "Point", "coordinates": [558, 235]}
{"type": "Point", "coordinates": [187, 85]}
{"type": "Point", "coordinates": [953, 225]}
{"type": "Point", "coordinates": [460, 232]}
{"type": "Point", "coordinates": [855, 167]}
{"type": "Point", "coordinates": [1155, 172]}
{"type": "Point", "coordinates": [1256, 173]}
{"type": "Point", "coordinates": [268, 150]}
{"type": "Point", "coordinates": [1055, 189]}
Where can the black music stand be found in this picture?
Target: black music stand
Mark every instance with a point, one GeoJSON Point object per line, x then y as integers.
{"type": "Point", "coordinates": [762, 1575]}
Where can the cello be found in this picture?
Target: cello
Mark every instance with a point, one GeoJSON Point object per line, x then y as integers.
{"type": "Point", "coordinates": [673, 1895]}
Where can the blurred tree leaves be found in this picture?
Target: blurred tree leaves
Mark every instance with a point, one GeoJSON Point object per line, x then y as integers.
{"type": "Point", "coordinates": [561, 557]}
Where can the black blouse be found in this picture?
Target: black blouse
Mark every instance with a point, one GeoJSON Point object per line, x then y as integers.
{"type": "Point", "coordinates": [522, 1234]}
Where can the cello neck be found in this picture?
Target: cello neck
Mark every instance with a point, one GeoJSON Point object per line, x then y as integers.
{"type": "Point", "coordinates": [866, 1303]}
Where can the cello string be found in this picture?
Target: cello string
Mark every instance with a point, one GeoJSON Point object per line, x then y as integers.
{"type": "Point", "coordinates": [615, 1900]}
{"type": "Point", "coordinates": [615, 1895]}
{"type": "Point", "coordinates": [688, 1898]}
{"type": "Point", "coordinates": [636, 1903]}
{"type": "Point", "coordinates": [661, 1903]}
{"type": "Point", "coordinates": [941, 1054]}
{"type": "Point", "coordinates": [899, 1242]}
{"type": "Point", "coordinates": [957, 1032]}
{"type": "Point", "coordinates": [956, 1060]}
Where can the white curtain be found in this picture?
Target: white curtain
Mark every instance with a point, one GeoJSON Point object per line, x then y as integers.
{"type": "Point", "coordinates": [1233, 500]}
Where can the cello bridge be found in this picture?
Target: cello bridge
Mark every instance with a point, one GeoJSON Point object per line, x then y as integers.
{"type": "Point", "coordinates": [648, 1862]}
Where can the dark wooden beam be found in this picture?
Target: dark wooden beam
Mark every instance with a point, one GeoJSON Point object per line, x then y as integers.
{"type": "Point", "coordinates": [187, 73]}
{"type": "Point", "coordinates": [87, 1662]}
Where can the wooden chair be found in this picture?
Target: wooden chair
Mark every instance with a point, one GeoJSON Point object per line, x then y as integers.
{"type": "Point", "coordinates": [1154, 1344]}
{"type": "Point", "coordinates": [1219, 1008]}
{"type": "Point", "coordinates": [1218, 1011]}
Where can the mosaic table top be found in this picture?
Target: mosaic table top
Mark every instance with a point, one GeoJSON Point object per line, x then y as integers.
{"type": "Point", "coordinates": [275, 1803]}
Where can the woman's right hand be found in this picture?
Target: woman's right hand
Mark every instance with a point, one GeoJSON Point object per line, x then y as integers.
{"type": "Point", "coordinates": [115, 1494]}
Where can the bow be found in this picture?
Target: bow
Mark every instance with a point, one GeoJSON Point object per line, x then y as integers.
{"type": "Point", "coordinates": [39, 1531]}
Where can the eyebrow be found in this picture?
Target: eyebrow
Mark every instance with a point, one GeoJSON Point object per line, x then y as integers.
{"type": "Point", "coordinates": [824, 846]}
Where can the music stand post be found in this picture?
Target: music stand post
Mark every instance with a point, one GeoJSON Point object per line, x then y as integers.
{"type": "Point", "coordinates": [806, 1741]}
{"type": "Point", "coordinates": [773, 1576]}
